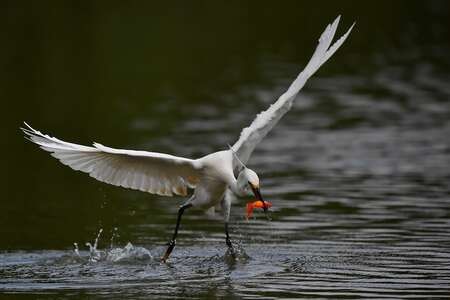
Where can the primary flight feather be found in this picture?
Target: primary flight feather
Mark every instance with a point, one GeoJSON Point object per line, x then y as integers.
{"type": "Point", "coordinates": [151, 172]}
{"type": "Point", "coordinates": [266, 120]}
{"type": "Point", "coordinates": [212, 176]}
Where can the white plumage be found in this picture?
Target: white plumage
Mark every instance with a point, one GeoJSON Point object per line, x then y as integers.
{"type": "Point", "coordinates": [266, 120]}
{"type": "Point", "coordinates": [152, 172]}
{"type": "Point", "coordinates": [212, 177]}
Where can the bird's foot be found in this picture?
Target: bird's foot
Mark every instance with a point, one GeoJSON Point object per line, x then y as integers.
{"type": "Point", "coordinates": [230, 248]}
{"type": "Point", "coordinates": [168, 251]}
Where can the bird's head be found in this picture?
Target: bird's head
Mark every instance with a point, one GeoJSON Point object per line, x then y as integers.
{"type": "Point", "coordinates": [248, 183]}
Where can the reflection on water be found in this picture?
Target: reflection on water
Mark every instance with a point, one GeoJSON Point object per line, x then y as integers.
{"type": "Point", "coordinates": [357, 172]}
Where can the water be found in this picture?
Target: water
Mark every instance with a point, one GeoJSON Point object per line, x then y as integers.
{"type": "Point", "coordinates": [358, 172]}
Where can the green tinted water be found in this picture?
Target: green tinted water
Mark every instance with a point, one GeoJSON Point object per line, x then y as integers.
{"type": "Point", "coordinates": [357, 171]}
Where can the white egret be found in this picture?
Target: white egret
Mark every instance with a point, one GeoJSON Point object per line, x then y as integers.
{"type": "Point", "coordinates": [212, 177]}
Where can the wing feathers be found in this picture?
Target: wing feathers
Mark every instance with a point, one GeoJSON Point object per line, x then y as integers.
{"type": "Point", "coordinates": [266, 120]}
{"type": "Point", "coordinates": [324, 43]}
{"type": "Point", "coordinates": [152, 172]}
{"type": "Point", "coordinates": [337, 44]}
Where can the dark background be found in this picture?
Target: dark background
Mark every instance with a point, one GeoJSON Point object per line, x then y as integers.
{"type": "Point", "coordinates": [131, 74]}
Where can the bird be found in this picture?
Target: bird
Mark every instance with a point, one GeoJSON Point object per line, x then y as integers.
{"type": "Point", "coordinates": [209, 181]}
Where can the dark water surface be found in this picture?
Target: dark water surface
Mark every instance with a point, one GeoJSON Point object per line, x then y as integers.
{"type": "Point", "coordinates": [358, 172]}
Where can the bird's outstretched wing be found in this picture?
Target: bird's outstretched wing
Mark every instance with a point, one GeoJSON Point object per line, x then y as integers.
{"type": "Point", "coordinates": [266, 120]}
{"type": "Point", "coordinates": [151, 172]}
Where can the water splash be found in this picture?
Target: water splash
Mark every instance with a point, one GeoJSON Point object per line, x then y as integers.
{"type": "Point", "coordinates": [237, 254]}
{"type": "Point", "coordinates": [129, 253]}
{"type": "Point", "coordinates": [94, 254]}
{"type": "Point", "coordinates": [113, 236]}
{"type": "Point", "coordinates": [75, 250]}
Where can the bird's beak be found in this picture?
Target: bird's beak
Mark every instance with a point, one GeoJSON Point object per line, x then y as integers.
{"type": "Point", "coordinates": [259, 197]}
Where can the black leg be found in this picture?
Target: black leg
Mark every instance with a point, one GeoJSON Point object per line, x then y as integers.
{"type": "Point", "coordinates": [174, 237]}
{"type": "Point", "coordinates": [228, 241]}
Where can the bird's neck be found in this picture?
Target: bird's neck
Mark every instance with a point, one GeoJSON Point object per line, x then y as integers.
{"type": "Point", "coordinates": [234, 187]}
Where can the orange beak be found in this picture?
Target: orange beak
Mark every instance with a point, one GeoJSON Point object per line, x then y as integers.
{"type": "Point", "coordinates": [256, 204]}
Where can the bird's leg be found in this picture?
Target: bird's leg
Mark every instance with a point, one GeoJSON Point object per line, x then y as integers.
{"type": "Point", "coordinates": [228, 241]}
{"type": "Point", "coordinates": [226, 207]}
{"type": "Point", "coordinates": [174, 237]}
